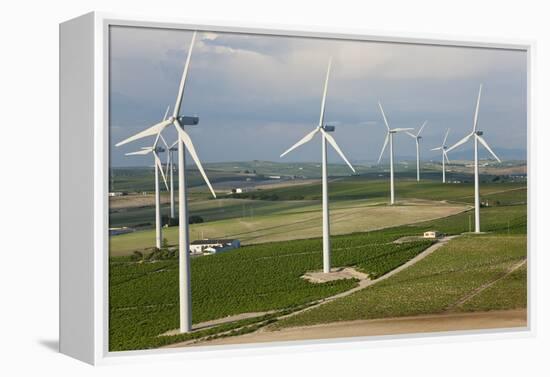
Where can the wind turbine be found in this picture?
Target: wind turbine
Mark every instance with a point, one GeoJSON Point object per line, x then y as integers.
{"type": "Point", "coordinates": [476, 135]}
{"type": "Point", "coordinates": [184, 143]}
{"type": "Point", "coordinates": [155, 150]}
{"type": "Point", "coordinates": [389, 137]}
{"type": "Point", "coordinates": [443, 149]}
{"type": "Point", "coordinates": [417, 138]}
{"type": "Point", "coordinates": [324, 130]}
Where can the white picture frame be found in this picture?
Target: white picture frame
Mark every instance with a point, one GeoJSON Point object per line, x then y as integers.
{"type": "Point", "coordinates": [84, 120]}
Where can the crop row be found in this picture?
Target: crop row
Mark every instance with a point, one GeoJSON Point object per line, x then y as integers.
{"type": "Point", "coordinates": [144, 297]}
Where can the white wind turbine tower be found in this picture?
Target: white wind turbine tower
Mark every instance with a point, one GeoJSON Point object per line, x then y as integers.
{"type": "Point", "coordinates": [443, 149]}
{"type": "Point", "coordinates": [184, 143]}
{"type": "Point", "coordinates": [155, 150]}
{"type": "Point", "coordinates": [324, 130]}
{"type": "Point", "coordinates": [170, 165]}
{"type": "Point", "coordinates": [476, 135]}
{"type": "Point", "coordinates": [417, 138]}
{"type": "Point", "coordinates": [389, 137]}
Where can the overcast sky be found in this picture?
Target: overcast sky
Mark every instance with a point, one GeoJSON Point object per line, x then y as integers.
{"type": "Point", "coordinates": [257, 95]}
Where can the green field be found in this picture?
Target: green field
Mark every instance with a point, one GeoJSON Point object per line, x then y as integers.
{"type": "Point", "coordinates": [266, 277]}
{"type": "Point", "coordinates": [434, 284]}
{"type": "Point", "coordinates": [144, 296]}
{"type": "Point", "coordinates": [508, 293]}
{"type": "Point", "coordinates": [353, 188]}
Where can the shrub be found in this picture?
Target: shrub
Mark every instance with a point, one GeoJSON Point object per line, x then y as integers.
{"type": "Point", "coordinates": [136, 256]}
{"type": "Point", "coordinates": [195, 219]}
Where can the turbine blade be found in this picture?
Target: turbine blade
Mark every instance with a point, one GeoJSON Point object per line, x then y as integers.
{"type": "Point", "coordinates": [477, 108]}
{"type": "Point", "coordinates": [164, 142]}
{"type": "Point", "coordinates": [482, 141]}
{"type": "Point", "coordinates": [436, 149]}
{"type": "Point", "coordinates": [332, 142]}
{"type": "Point", "coordinates": [384, 147]}
{"type": "Point", "coordinates": [445, 138]}
{"type": "Point", "coordinates": [421, 128]}
{"type": "Point", "coordinates": [402, 129]}
{"type": "Point", "coordinates": [141, 152]}
{"type": "Point", "coordinates": [156, 141]}
{"type": "Point", "coordinates": [174, 144]}
{"type": "Point", "coordinates": [304, 140]}
{"type": "Point", "coordinates": [181, 89]}
{"type": "Point", "coordinates": [460, 142]}
{"type": "Point", "coordinates": [411, 135]}
{"type": "Point", "coordinates": [166, 112]}
{"type": "Point", "coordinates": [159, 166]}
{"type": "Point", "coordinates": [446, 157]}
{"type": "Point", "coordinates": [153, 130]}
{"type": "Point", "coordinates": [383, 116]}
{"type": "Point", "coordinates": [323, 101]}
{"type": "Point", "coordinates": [190, 147]}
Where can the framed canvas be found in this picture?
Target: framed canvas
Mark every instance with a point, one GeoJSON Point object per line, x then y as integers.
{"type": "Point", "coordinates": [227, 188]}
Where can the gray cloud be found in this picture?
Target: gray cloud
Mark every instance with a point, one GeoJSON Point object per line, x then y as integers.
{"type": "Point", "coordinates": [256, 95]}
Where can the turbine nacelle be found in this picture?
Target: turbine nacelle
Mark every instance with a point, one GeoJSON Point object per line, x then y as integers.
{"type": "Point", "coordinates": [322, 129]}
{"type": "Point", "coordinates": [177, 122]}
{"type": "Point", "coordinates": [476, 134]}
{"type": "Point", "coordinates": [188, 120]}
{"type": "Point", "coordinates": [391, 131]}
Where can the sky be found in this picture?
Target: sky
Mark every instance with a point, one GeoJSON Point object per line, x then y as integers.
{"type": "Point", "coordinates": [257, 95]}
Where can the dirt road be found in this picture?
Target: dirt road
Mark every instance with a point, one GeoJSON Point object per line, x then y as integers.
{"type": "Point", "coordinates": [516, 318]}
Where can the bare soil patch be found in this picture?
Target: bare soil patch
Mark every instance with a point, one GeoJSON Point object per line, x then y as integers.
{"type": "Point", "coordinates": [136, 201]}
{"type": "Point", "coordinates": [502, 319]}
{"type": "Point", "coordinates": [338, 273]}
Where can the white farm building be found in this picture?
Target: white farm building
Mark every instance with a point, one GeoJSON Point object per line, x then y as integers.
{"type": "Point", "coordinates": [432, 234]}
{"type": "Point", "coordinates": [213, 246]}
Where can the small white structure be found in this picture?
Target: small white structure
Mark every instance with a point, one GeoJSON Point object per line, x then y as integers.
{"type": "Point", "coordinates": [432, 234]}
{"type": "Point", "coordinates": [213, 246]}
{"type": "Point", "coordinates": [116, 193]}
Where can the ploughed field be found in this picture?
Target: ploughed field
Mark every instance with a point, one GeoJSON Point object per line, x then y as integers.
{"type": "Point", "coordinates": [286, 221]}
{"type": "Point", "coordinates": [357, 204]}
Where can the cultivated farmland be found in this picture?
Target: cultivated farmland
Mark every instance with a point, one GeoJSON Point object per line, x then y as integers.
{"type": "Point", "coordinates": [434, 285]}
{"type": "Point", "coordinates": [144, 296]}
{"type": "Point", "coordinates": [265, 280]}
